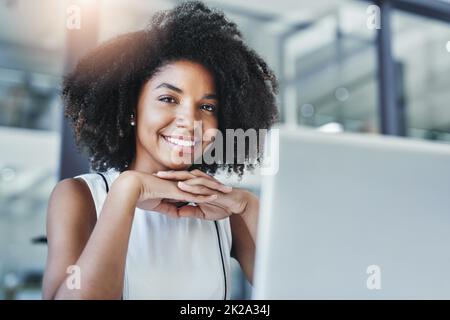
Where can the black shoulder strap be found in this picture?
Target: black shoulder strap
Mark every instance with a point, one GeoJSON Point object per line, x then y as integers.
{"type": "Point", "coordinates": [106, 182]}
{"type": "Point", "coordinates": [223, 263]}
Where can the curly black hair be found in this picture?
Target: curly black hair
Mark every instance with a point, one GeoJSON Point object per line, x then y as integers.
{"type": "Point", "coordinates": [103, 89]}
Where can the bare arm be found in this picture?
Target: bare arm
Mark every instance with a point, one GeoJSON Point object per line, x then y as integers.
{"type": "Point", "coordinates": [243, 229]}
{"type": "Point", "coordinates": [98, 249]}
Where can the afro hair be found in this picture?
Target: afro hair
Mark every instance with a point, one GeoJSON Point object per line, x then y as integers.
{"type": "Point", "coordinates": [103, 89]}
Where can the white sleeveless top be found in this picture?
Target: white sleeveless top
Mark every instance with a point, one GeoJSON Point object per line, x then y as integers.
{"type": "Point", "coordinates": [171, 258]}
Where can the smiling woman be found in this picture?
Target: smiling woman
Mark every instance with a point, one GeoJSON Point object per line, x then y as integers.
{"type": "Point", "coordinates": [102, 93]}
{"type": "Point", "coordinates": [153, 223]}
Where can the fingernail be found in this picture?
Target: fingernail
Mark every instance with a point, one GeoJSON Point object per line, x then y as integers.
{"type": "Point", "coordinates": [228, 188]}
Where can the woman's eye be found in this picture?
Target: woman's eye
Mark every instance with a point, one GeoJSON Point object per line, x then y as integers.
{"type": "Point", "coordinates": [167, 99]}
{"type": "Point", "coordinates": [209, 107]}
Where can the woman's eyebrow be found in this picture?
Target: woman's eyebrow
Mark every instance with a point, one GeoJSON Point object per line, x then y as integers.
{"type": "Point", "coordinates": [172, 87]}
{"type": "Point", "coordinates": [210, 96]}
{"type": "Point", "coordinates": [169, 86]}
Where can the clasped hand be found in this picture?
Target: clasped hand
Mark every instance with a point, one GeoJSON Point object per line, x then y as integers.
{"type": "Point", "coordinates": [190, 194]}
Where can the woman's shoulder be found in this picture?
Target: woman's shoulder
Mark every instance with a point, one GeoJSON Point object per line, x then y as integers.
{"type": "Point", "coordinates": [71, 200]}
{"type": "Point", "coordinates": [74, 188]}
{"type": "Point", "coordinates": [82, 189]}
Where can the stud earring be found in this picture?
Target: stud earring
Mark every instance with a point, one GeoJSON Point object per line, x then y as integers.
{"type": "Point", "coordinates": [132, 120]}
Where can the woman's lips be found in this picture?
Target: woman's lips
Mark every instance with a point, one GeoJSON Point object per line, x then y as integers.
{"type": "Point", "coordinates": [180, 143]}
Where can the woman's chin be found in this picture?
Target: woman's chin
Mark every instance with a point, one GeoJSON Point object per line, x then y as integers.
{"type": "Point", "coordinates": [173, 165]}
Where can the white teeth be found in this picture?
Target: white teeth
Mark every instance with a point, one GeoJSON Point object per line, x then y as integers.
{"type": "Point", "coordinates": [183, 143]}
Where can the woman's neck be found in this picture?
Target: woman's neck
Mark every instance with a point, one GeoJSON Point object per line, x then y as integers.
{"type": "Point", "coordinates": [146, 165]}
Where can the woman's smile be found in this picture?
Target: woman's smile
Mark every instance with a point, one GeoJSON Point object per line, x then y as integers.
{"type": "Point", "coordinates": [186, 144]}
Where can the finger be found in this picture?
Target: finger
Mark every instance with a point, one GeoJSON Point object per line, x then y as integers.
{"type": "Point", "coordinates": [189, 197]}
{"type": "Point", "coordinates": [205, 211]}
{"type": "Point", "coordinates": [200, 173]}
{"type": "Point", "coordinates": [195, 189]}
{"type": "Point", "coordinates": [212, 184]}
{"type": "Point", "coordinates": [172, 192]}
{"type": "Point", "coordinates": [175, 175]}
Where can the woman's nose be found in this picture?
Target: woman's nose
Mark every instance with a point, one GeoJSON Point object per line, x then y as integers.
{"type": "Point", "coordinates": [186, 117]}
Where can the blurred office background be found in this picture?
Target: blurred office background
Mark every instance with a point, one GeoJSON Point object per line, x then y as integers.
{"type": "Point", "coordinates": [337, 71]}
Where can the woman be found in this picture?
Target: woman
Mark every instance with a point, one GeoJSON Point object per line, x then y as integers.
{"type": "Point", "coordinates": [154, 223]}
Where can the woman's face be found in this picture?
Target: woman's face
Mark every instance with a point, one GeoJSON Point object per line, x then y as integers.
{"type": "Point", "coordinates": [179, 94]}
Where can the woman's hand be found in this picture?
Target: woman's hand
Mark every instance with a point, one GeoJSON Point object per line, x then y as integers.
{"type": "Point", "coordinates": [228, 201]}
{"type": "Point", "coordinates": [161, 195]}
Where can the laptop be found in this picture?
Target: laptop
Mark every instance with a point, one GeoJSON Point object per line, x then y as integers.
{"type": "Point", "coordinates": [353, 216]}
